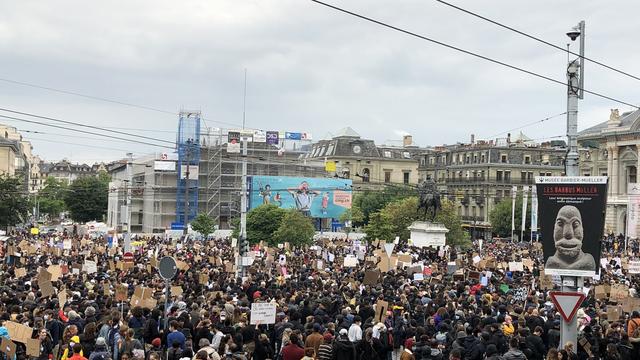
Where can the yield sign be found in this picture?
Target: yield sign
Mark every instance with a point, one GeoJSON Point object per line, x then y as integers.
{"type": "Point", "coordinates": [388, 248]}
{"type": "Point", "coordinates": [567, 303]}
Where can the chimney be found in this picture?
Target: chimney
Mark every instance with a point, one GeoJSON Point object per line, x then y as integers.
{"type": "Point", "coordinates": [473, 139]}
{"type": "Point", "coordinates": [407, 140]}
{"type": "Point", "coordinates": [508, 138]}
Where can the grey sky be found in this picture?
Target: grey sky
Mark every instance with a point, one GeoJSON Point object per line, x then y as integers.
{"type": "Point", "coordinates": [309, 68]}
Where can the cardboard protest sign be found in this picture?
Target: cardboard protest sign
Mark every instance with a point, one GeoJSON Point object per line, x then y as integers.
{"type": "Point", "coordinates": [18, 332]}
{"type": "Point", "coordinates": [474, 275]}
{"type": "Point", "coordinates": [20, 272]}
{"type": "Point", "coordinates": [350, 261]}
{"type": "Point", "coordinates": [143, 297]}
{"type": "Point", "coordinates": [62, 298]}
{"type": "Point", "coordinates": [619, 292]}
{"type": "Point", "coordinates": [614, 313]}
{"type": "Point", "coordinates": [263, 314]}
{"type": "Point", "coordinates": [573, 217]}
{"type": "Point", "coordinates": [203, 278]}
{"type": "Point", "coordinates": [546, 282]}
{"type": "Point", "coordinates": [176, 290]}
{"type": "Point", "coordinates": [458, 275]}
{"type": "Point", "coordinates": [46, 288]}
{"type": "Point", "coordinates": [8, 347]}
{"type": "Point", "coordinates": [634, 267]}
{"type": "Point", "coordinates": [371, 277]}
{"type": "Point", "coordinates": [630, 304]}
{"type": "Point", "coordinates": [381, 311]}
{"type": "Point", "coordinates": [90, 267]}
{"type": "Point", "coordinates": [602, 291]}
{"type": "Point", "coordinates": [33, 347]}
{"type": "Point", "coordinates": [406, 259]}
{"type": "Point", "coordinates": [44, 275]}
{"type": "Point", "coordinates": [122, 292]}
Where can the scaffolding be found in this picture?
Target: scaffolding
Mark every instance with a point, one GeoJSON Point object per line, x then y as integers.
{"type": "Point", "coordinates": [188, 143]}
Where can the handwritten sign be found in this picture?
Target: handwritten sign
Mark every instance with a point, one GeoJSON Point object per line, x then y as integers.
{"type": "Point", "coordinates": [263, 313]}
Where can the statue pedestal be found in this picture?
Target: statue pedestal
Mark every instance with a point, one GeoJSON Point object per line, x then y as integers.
{"type": "Point", "coordinates": [424, 233]}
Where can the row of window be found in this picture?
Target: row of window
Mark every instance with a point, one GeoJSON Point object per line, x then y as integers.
{"type": "Point", "coordinates": [478, 159]}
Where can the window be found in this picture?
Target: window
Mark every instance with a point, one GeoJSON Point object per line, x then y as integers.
{"type": "Point", "coordinates": [503, 158]}
{"type": "Point", "coordinates": [156, 207]}
{"type": "Point", "coordinates": [631, 170]}
{"type": "Point", "coordinates": [330, 150]}
{"type": "Point", "coordinates": [431, 160]}
{"type": "Point", "coordinates": [387, 176]}
{"type": "Point", "coordinates": [499, 175]}
{"type": "Point", "coordinates": [322, 151]}
{"type": "Point", "coordinates": [507, 176]}
{"type": "Point", "coordinates": [545, 159]}
{"type": "Point", "coordinates": [541, 174]}
{"type": "Point", "coordinates": [527, 159]}
{"type": "Point", "coordinates": [406, 155]}
{"type": "Point", "coordinates": [422, 161]}
{"type": "Point", "coordinates": [475, 158]}
{"type": "Point", "coordinates": [387, 153]}
{"type": "Point", "coordinates": [405, 177]}
{"type": "Point", "coordinates": [548, 174]}
{"type": "Point", "coordinates": [523, 176]}
{"type": "Point", "coordinates": [365, 175]}
{"type": "Point", "coordinates": [482, 158]}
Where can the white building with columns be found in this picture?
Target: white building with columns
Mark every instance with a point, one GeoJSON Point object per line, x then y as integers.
{"type": "Point", "coordinates": [612, 148]}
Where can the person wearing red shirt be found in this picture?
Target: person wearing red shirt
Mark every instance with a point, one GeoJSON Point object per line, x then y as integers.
{"type": "Point", "coordinates": [293, 351]}
{"type": "Point", "coordinates": [77, 349]}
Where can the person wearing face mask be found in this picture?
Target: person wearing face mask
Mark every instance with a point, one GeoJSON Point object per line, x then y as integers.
{"type": "Point", "coordinates": [46, 345]}
{"type": "Point", "coordinates": [53, 326]}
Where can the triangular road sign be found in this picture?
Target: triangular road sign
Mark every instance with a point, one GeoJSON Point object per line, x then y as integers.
{"type": "Point", "coordinates": [388, 248]}
{"type": "Point", "coordinates": [567, 303]}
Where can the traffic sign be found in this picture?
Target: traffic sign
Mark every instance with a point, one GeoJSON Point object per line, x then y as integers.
{"type": "Point", "coordinates": [388, 248]}
{"type": "Point", "coordinates": [127, 257]}
{"type": "Point", "coordinates": [168, 268]}
{"type": "Point", "coordinates": [567, 303]}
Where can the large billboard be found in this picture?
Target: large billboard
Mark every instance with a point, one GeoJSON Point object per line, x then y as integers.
{"type": "Point", "coordinates": [315, 197]}
{"type": "Point", "coordinates": [571, 216]}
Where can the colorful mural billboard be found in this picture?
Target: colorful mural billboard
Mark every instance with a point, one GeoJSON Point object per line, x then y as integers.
{"type": "Point", "coordinates": [315, 197]}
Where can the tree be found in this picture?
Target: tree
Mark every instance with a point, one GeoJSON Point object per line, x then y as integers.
{"type": "Point", "coordinates": [262, 223]}
{"type": "Point", "coordinates": [87, 199]}
{"type": "Point", "coordinates": [14, 205]}
{"type": "Point", "coordinates": [500, 217]}
{"type": "Point", "coordinates": [295, 228]}
{"type": "Point", "coordinates": [448, 216]}
{"type": "Point", "coordinates": [372, 201]}
{"type": "Point", "coordinates": [378, 228]}
{"type": "Point", "coordinates": [400, 214]}
{"type": "Point", "coordinates": [203, 224]}
{"type": "Point", "coordinates": [51, 197]}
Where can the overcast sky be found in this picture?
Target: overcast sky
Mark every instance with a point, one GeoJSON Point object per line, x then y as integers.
{"type": "Point", "coordinates": [310, 68]}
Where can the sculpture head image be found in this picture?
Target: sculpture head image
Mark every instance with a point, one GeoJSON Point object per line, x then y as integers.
{"type": "Point", "coordinates": [568, 232]}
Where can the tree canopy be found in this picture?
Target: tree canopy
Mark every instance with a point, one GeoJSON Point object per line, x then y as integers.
{"type": "Point", "coordinates": [87, 199]}
{"type": "Point", "coordinates": [14, 205]}
{"type": "Point", "coordinates": [295, 228]}
{"type": "Point", "coordinates": [500, 217]}
{"type": "Point", "coordinates": [51, 197]}
{"type": "Point", "coordinates": [262, 223]}
{"type": "Point", "coordinates": [203, 224]}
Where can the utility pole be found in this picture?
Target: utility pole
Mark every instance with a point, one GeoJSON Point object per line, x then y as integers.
{"type": "Point", "coordinates": [127, 232]}
{"type": "Point", "coordinates": [243, 207]}
{"type": "Point", "coordinates": [575, 86]}
{"type": "Point", "coordinates": [185, 231]}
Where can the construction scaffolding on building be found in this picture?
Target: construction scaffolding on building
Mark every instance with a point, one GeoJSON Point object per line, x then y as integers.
{"type": "Point", "coordinates": [188, 145]}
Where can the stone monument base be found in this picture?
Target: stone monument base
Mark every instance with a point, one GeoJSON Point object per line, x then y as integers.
{"type": "Point", "coordinates": [426, 233]}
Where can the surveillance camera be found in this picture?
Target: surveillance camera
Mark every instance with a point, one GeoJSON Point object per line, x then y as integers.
{"type": "Point", "coordinates": [573, 33]}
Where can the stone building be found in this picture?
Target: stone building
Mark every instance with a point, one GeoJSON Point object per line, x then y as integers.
{"type": "Point", "coordinates": [480, 174]}
{"type": "Point", "coordinates": [612, 148]}
{"type": "Point", "coordinates": [367, 164]}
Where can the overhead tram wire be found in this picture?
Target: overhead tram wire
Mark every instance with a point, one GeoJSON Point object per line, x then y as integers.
{"type": "Point", "coordinates": [483, 57]}
{"type": "Point", "coordinates": [563, 49]}
{"type": "Point", "coordinates": [83, 125]}
{"type": "Point", "coordinates": [98, 98]}
{"type": "Point", "coordinates": [86, 132]}
{"type": "Point", "coordinates": [528, 124]}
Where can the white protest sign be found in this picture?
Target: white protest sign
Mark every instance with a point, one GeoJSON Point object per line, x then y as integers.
{"type": "Point", "coordinates": [90, 267]}
{"type": "Point", "coordinates": [263, 313]}
{"type": "Point", "coordinates": [350, 261]}
{"type": "Point", "coordinates": [476, 259]}
{"type": "Point", "coordinates": [66, 244]}
{"type": "Point", "coordinates": [634, 267]}
{"type": "Point", "coordinates": [388, 248]}
{"type": "Point", "coordinates": [516, 266]}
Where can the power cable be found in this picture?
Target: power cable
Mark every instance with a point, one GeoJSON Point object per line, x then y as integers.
{"type": "Point", "coordinates": [486, 58]}
{"type": "Point", "coordinates": [537, 39]}
{"type": "Point", "coordinates": [83, 125]}
{"type": "Point", "coordinates": [98, 98]}
{"type": "Point", "coordinates": [528, 124]}
{"type": "Point", "coordinates": [85, 131]}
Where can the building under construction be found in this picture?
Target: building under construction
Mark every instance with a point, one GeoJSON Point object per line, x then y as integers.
{"type": "Point", "coordinates": [159, 187]}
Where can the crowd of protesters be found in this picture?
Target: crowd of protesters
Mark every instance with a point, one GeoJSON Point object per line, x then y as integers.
{"type": "Point", "coordinates": [325, 311]}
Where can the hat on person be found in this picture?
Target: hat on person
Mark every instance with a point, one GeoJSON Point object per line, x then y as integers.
{"type": "Point", "coordinates": [256, 294]}
{"type": "Point", "coordinates": [182, 305]}
{"type": "Point", "coordinates": [491, 350]}
{"type": "Point", "coordinates": [328, 336]}
{"type": "Point", "coordinates": [101, 342]}
{"type": "Point", "coordinates": [344, 332]}
{"type": "Point", "coordinates": [316, 327]}
{"type": "Point", "coordinates": [203, 342]}
{"type": "Point", "coordinates": [156, 342]}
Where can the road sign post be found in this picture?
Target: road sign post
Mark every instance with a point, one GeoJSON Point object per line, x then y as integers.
{"type": "Point", "coordinates": [168, 270]}
{"type": "Point", "coordinates": [567, 303]}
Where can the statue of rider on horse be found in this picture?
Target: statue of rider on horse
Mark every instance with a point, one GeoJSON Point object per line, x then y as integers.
{"type": "Point", "coordinates": [429, 198]}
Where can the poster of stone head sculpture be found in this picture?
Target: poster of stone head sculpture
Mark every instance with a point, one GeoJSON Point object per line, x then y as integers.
{"type": "Point", "coordinates": [571, 211]}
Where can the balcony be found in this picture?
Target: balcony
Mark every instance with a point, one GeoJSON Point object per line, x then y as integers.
{"type": "Point", "coordinates": [487, 180]}
{"type": "Point", "coordinates": [471, 218]}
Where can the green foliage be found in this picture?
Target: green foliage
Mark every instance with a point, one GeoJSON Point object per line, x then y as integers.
{"type": "Point", "coordinates": [354, 215]}
{"type": "Point", "coordinates": [203, 224]}
{"type": "Point", "coordinates": [373, 201]}
{"type": "Point", "coordinates": [51, 197]}
{"type": "Point", "coordinates": [400, 214]}
{"type": "Point", "coordinates": [500, 217]}
{"type": "Point", "coordinates": [448, 216]}
{"type": "Point", "coordinates": [262, 223]}
{"type": "Point", "coordinates": [14, 205]}
{"type": "Point", "coordinates": [295, 228]}
{"type": "Point", "coordinates": [87, 199]}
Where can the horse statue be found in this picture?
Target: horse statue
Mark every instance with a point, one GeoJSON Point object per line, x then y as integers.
{"type": "Point", "coordinates": [429, 198]}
